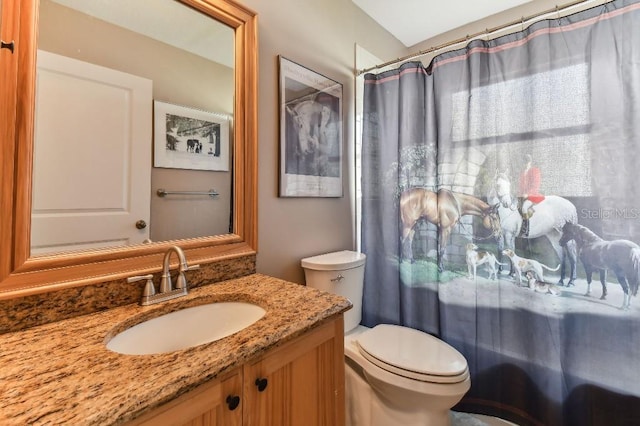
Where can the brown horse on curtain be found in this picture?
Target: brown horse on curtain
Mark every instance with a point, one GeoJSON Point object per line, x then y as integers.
{"type": "Point", "coordinates": [597, 254]}
{"type": "Point", "coordinates": [444, 209]}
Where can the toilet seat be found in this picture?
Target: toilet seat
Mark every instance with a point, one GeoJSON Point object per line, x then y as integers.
{"type": "Point", "coordinates": [412, 354]}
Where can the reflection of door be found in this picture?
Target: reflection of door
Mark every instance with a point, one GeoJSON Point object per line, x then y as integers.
{"type": "Point", "coordinates": [92, 158]}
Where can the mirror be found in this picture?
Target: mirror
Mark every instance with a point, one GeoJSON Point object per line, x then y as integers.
{"type": "Point", "coordinates": [226, 92]}
{"type": "Point", "coordinates": [126, 69]}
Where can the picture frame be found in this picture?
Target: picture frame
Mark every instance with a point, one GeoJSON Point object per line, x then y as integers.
{"type": "Point", "coordinates": [311, 132]}
{"type": "Point", "coordinates": [189, 138]}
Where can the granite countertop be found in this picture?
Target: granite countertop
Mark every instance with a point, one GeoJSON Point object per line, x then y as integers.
{"type": "Point", "coordinates": [62, 373]}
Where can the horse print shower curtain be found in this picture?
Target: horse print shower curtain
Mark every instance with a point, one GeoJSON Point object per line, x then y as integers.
{"type": "Point", "coordinates": [501, 212]}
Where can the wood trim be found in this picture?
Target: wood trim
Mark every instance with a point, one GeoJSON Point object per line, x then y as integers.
{"type": "Point", "coordinates": [8, 97]}
{"type": "Point", "coordinates": [30, 283]}
{"type": "Point", "coordinates": [21, 275]}
{"type": "Point", "coordinates": [25, 118]}
{"type": "Point", "coordinates": [340, 413]}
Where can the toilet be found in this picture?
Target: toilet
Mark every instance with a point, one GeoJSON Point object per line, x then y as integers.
{"type": "Point", "coordinates": [394, 375]}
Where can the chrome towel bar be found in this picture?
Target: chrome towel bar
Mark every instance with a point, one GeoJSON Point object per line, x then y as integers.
{"type": "Point", "coordinates": [162, 192]}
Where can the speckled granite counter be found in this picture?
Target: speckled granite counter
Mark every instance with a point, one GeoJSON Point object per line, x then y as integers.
{"type": "Point", "coordinates": [62, 373]}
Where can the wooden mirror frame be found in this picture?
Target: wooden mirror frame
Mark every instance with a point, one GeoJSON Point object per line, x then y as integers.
{"type": "Point", "coordinates": [21, 275]}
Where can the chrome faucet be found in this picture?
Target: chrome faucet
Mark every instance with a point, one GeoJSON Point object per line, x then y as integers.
{"type": "Point", "coordinates": [166, 291]}
{"type": "Point", "coordinates": [165, 281]}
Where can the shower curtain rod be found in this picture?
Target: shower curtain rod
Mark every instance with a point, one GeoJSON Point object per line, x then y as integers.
{"type": "Point", "coordinates": [486, 32]}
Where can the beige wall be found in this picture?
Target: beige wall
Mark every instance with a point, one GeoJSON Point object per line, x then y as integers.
{"type": "Point", "coordinates": [320, 35]}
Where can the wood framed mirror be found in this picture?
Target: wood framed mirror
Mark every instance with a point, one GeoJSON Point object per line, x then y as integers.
{"type": "Point", "coordinates": [22, 274]}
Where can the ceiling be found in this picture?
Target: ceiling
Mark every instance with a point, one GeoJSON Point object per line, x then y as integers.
{"type": "Point", "coordinates": [413, 21]}
{"type": "Point", "coordinates": [168, 22]}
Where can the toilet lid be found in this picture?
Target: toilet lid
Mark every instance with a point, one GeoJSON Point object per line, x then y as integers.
{"type": "Point", "coordinates": [335, 261]}
{"type": "Point", "coordinates": [413, 354]}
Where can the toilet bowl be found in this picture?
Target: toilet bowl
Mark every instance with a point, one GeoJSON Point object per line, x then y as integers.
{"type": "Point", "coordinates": [393, 374]}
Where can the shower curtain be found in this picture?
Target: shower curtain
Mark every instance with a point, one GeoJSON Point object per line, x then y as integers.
{"type": "Point", "coordinates": [524, 145]}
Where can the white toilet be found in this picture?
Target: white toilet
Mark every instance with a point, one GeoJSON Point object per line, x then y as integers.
{"type": "Point", "coordinates": [394, 375]}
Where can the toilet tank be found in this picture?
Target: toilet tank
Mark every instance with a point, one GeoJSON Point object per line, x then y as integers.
{"type": "Point", "coordinates": [340, 273]}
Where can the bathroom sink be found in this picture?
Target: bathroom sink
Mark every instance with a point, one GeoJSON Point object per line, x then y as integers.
{"type": "Point", "coordinates": [186, 328]}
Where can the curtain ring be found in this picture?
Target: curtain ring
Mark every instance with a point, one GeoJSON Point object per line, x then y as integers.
{"type": "Point", "coordinates": [522, 23]}
{"type": "Point", "coordinates": [486, 35]}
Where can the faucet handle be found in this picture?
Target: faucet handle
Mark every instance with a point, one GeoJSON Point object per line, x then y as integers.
{"type": "Point", "coordinates": [181, 281]}
{"type": "Point", "coordinates": [149, 289]}
{"type": "Point", "coordinates": [165, 283]}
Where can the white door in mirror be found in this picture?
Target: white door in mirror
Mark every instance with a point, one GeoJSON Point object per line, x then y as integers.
{"type": "Point", "coordinates": [92, 157]}
{"type": "Point", "coordinates": [186, 328]}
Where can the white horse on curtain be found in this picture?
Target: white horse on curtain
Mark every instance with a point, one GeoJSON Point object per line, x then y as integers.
{"type": "Point", "coordinates": [550, 216]}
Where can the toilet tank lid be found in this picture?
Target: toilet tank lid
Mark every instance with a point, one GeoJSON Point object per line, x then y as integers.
{"type": "Point", "coordinates": [335, 261]}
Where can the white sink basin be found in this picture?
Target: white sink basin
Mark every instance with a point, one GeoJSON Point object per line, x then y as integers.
{"type": "Point", "coordinates": [186, 328]}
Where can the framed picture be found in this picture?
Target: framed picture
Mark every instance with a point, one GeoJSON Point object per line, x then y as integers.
{"type": "Point", "coordinates": [310, 133]}
{"type": "Point", "coordinates": [188, 138]}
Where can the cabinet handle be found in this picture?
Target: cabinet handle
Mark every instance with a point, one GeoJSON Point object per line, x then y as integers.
{"type": "Point", "coordinates": [233, 401]}
{"type": "Point", "coordinates": [261, 384]}
{"type": "Point", "coordinates": [10, 45]}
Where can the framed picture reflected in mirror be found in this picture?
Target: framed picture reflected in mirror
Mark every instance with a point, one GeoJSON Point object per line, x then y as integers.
{"type": "Point", "coordinates": [189, 138]}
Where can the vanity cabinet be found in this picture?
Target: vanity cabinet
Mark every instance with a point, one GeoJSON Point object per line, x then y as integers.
{"type": "Point", "coordinates": [298, 383]}
{"type": "Point", "coordinates": [214, 403]}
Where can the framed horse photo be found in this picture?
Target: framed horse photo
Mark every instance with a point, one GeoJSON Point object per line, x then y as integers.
{"type": "Point", "coordinates": [189, 138]}
{"type": "Point", "coordinates": [310, 133]}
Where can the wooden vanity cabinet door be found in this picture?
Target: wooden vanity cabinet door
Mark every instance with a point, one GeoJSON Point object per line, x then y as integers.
{"type": "Point", "coordinates": [204, 406]}
{"type": "Point", "coordinates": [304, 381]}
